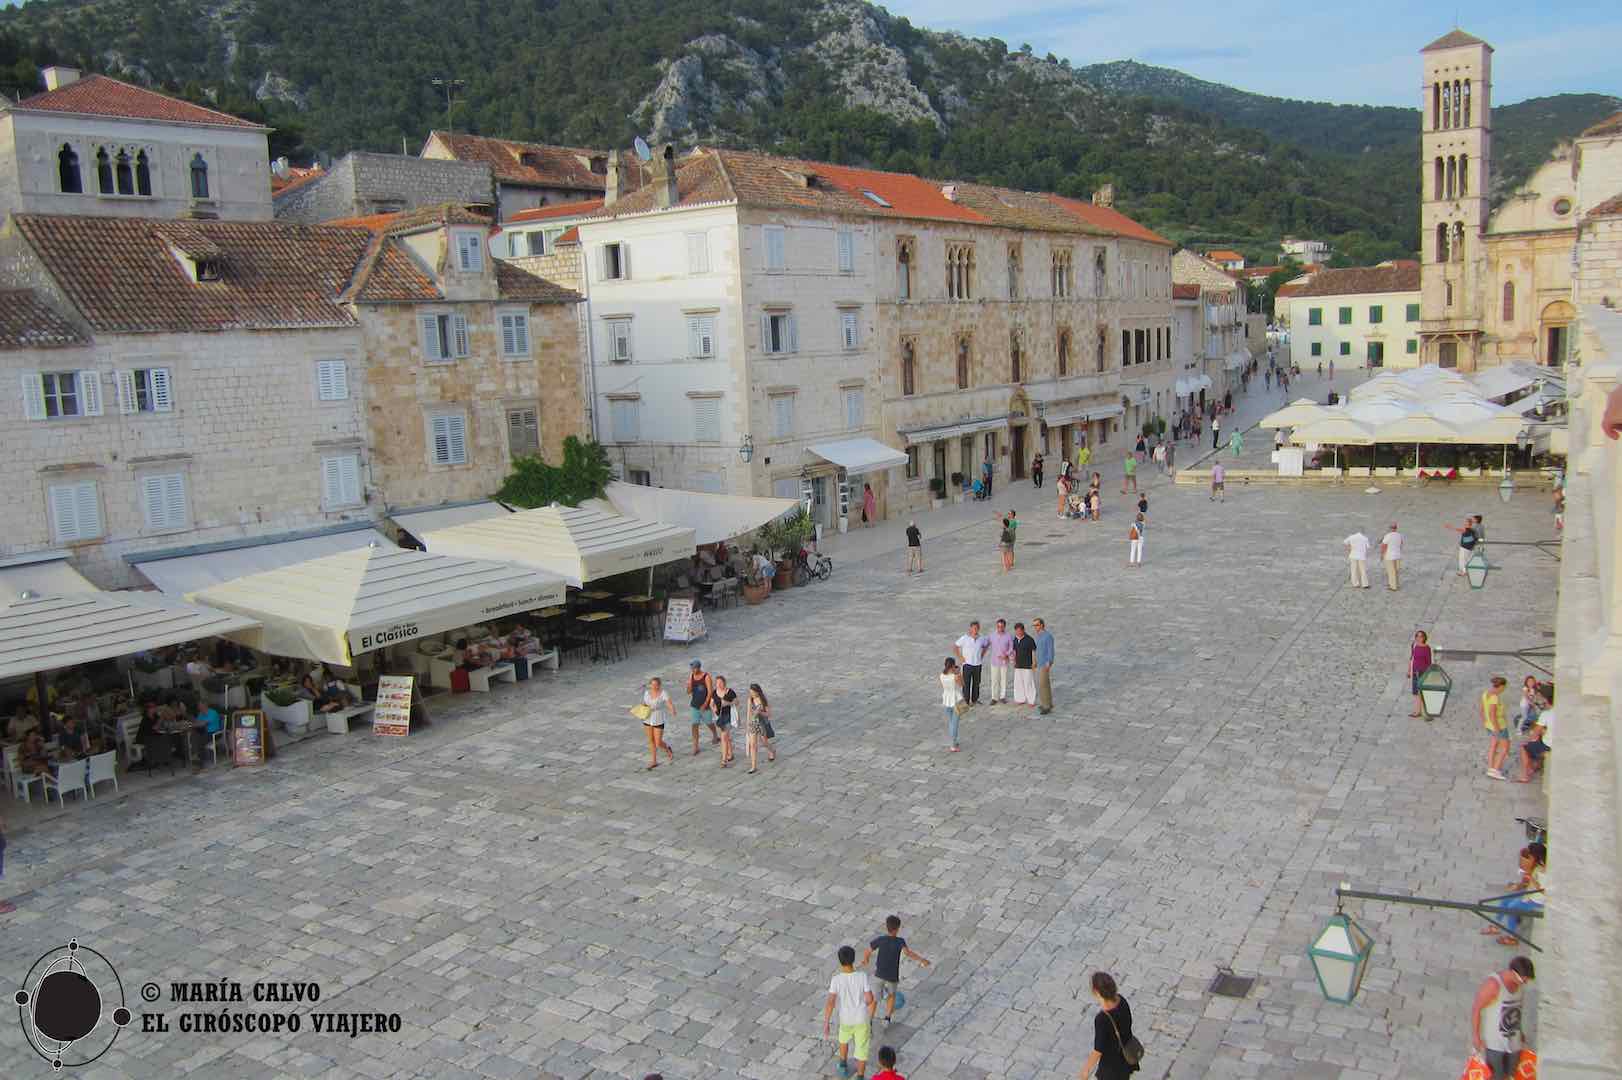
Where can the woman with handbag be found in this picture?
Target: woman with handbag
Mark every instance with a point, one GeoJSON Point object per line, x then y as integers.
{"type": "Point", "coordinates": [726, 707]}
{"type": "Point", "coordinates": [653, 712]}
{"type": "Point", "coordinates": [952, 700]}
{"type": "Point", "coordinates": [1116, 1051]}
{"type": "Point", "coordinates": [760, 725]}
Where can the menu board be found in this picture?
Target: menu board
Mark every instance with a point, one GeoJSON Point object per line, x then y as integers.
{"type": "Point", "coordinates": [683, 622]}
{"type": "Point", "coordinates": [393, 713]}
{"type": "Point", "coordinates": [249, 742]}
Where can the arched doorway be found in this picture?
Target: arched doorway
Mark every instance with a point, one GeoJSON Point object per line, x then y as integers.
{"type": "Point", "coordinates": [1020, 433]}
{"type": "Point", "coordinates": [1554, 333]}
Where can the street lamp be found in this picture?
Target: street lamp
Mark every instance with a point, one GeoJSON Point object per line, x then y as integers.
{"type": "Point", "coordinates": [1434, 685]}
{"type": "Point", "coordinates": [1340, 958]}
{"type": "Point", "coordinates": [746, 450]}
{"type": "Point", "coordinates": [450, 86]}
{"type": "Point", "coordinates": [1476, 570]}
{"type": "Point", "coordinates": [1506, 487]}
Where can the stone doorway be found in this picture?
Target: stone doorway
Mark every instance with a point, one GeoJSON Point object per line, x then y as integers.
{"type": "Point", "coordinates": [1016, 468]}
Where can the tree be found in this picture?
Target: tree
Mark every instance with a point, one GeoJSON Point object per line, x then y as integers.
{"type": "Point", "coordinates": [584, 474]}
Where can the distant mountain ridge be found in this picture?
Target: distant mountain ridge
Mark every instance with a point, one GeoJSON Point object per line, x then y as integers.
{"type": "Point", "coordinates": [837, 80]}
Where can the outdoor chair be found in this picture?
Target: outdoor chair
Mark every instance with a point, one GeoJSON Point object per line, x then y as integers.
{"type": "Point", "coordinates": [103, 767]}
{"type": "Point", "coordinates": [159, 753]}
{"type": "Point", "coordinates": [19, 781]}
{"type": "Point", "coordinates": [70, 776]}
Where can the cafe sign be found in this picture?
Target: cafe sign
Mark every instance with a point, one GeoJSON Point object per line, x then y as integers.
{"type": "Point", "coordinates": [364, 639]}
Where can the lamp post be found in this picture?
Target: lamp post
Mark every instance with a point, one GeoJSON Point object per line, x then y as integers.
{"type": "Point", "coordinates": [1476, 570]}
{"type": "Point", "coordinates": [1434, 685]}
{"type": "Point", "coordinates": [1506, 487]}
{"type": "Point", "coordinates": [450, 86]}
{"type": "Point", "coordinates": [746, 450]}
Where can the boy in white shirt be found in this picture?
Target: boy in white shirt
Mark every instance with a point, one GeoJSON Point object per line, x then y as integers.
{"type": "Point", "coordinates": [852, 992]}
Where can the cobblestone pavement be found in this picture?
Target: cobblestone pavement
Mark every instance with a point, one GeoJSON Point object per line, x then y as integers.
{"type": "Point", "coordinates": [1231, 740]}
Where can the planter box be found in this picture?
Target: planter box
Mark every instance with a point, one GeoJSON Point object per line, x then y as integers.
{"type": "Point", "coordinates": [1385, 470]}
{"type": "Point", "coordinates": [756, 594]}
{"type": "Point", "coordinates": [292, 718]}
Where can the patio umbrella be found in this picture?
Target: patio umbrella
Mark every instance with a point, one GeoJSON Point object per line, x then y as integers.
{"type": "Point", "coordinates": [1338, 430]}
{"type": "Point", "coordinates": [1419, 428]}
{"type": "Point", "coordinates": [1298, 412]}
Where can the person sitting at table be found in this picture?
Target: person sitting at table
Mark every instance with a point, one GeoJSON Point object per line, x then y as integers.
{"type": "Point", "coordinates": [72, 739]}
{"type": "Point", "coordinates": [24, 722]}
{"type": "Point", "coordinates": [468, 657]}
{"type": "Point", "coordinates": [207, 724]}
{"type": "Point", "coordinates": [31, 756]}
{"type": "Point", "coordinates": [523, 643]}
{"type": "Point", "coordinates": [147, 729]}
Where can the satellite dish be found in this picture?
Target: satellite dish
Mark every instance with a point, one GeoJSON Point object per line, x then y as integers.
{"type": "Point", "coordinates": [642, 150]}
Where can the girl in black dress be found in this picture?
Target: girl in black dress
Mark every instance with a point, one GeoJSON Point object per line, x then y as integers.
{"type": "Point", "coordinates": [1112, 1030]}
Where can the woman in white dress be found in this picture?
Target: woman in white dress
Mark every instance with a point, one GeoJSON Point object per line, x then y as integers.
{"type": "Point", "coordinates": [654, 711]}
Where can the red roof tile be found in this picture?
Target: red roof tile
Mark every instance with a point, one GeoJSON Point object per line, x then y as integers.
{"type": "Point", "coordinates": [295, 178]}
{"type": "Point", "coordinates": [1110, 220]}
{"type": "Point", "coordinates": [1611, 207]}
{"type": "Point", "coordinates": [516, 283]}
{"type": "Point", "coordinates": [583, 208]}
{"type": "Point", "coordinates": [527, 164]}
{"type": "Point", "coordinates": [570, 236]}
{"type": "Point", "coordinates": [1351, 280]}
{"type": "Point", "coordinates": [369, 222]}
{"type": "Point", "coordinates": [26, 322]}
{"type": "Point", "coordinates": [1182, 291]}
{"type": "Point", "coordinates": [1223, 255]}
{"type": "Point", "coordinates": [98, 95]}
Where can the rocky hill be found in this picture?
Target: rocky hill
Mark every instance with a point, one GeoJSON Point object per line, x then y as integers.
{"type": "Point", "coordinates": [832, 79]}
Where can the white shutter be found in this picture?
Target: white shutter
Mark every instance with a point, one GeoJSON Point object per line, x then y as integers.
{"type": "Point", "coordinates": [162, 401]}
{"type": "Point", "coordinates": [440, 428]}
{"type": "Point", "coordinates": [69, 520]}
{"type": "Point", "coordinates": [89, 393]}
{"type": "Point", "coordinates": [127, 402]}
{"type": "Point", "coordinates": [793, 343]}
{"type": "Point", "coordinates": [774, 247]}
{"type": "Point", "coordinates": [765, 335]}
{"type": "Point", "coordinates": [848, 328]}
{"type": "Point", "coordinates": [509, 344]}
{"type": "Point", "coordinates": [847, 251]}
{"type": "Point", "coordinates": [332, 380]}
{"type": "Point", "coordinates": [521, 334]}
{"type": "Point", "coordinates": [707, 419]}
{"type": "Point", "coordinates": [625, 260]}
{"type": "Point", "coordinates": [457, 429]}
{"type": "Point", "coordinates": [783, 415]}
{"type": "Point", "coordinates": [33, 396]}
{"type": "Point", "coordinates": [459, 335]}
{"type": "Point", "coordinates": [152, 501]}
{"type": "Point", "coordinates": [174, 501]}
{"type": "Point", "coordinates": [698, 253]}
{"type": "Point", "coordinates": [701, 336]}
{"type": "Point", "coordinates": [430, 338]}
{"type": "Point", "coordinates": [855, 406]}
{"type": "Point", "coordinates": [331, 481]}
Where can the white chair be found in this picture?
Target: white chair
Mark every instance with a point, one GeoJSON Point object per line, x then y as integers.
{"type": "Point", "coordinates": [128, 726]}
{"type": "Point", "coordinates": [103, 767]}
{"type": "Point", "coordinates": [19, 781]}
{"type": "Point", "coordinates": [70, 776]}
{"type": "Point", "coordinates": [213, 747]}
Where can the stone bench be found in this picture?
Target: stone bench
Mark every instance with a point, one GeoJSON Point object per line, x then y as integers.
{"type": "Point", "coordinates": [338, 722]}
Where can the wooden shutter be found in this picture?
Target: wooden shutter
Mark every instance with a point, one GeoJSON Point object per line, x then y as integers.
{"type": "Point", "coordinates": [89, 393]}
{"type": "Point", "coordinates": [440, 429]}
{"type": "Point", "coordinates": [765, 336]}
{"type": "Point", "coordinates": [855, 402]}
{"type": "Point", "coordinates": [456, 427]}
{"type": "Point", "coordinates": [33, 395]}
{"type": "Point", "coordinates": [332, 380]}
{"type": "Point", "coordinates": [523, 432]}
{"type": "Point", "coordinates": [340, 476]}
{"type": "Point", "coordinates": [158, 386]}
{"type": "Point", "coordinates": [127, 400]}
{"type": "Point", "coordinates": [75, 514]}
{"type": "Point", "coordinates": [430, 338]}
{"type": "Point", "coordinates": [847, 251]}
{"type": "Point", "coordinates": [152, 502]}
{"type": "Point", "coordinates": [793, 342]}
{"type": "Point", "coordinates": [459, 335]}
{"type": "Point", "coordinates": [509, 343]}
{"type": "Point", "coordinates": [707, 419]}
{"type": "Point", "coordinates": [521, 333]}
{"type": "Point", "coordinates": [848, 328]}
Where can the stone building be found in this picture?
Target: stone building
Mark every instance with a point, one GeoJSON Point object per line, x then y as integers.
{"type": "Point", "coordinates": [1226, 338]}
{"type": "Point", "coordinates": [530, 175]}
{"type": "Point", "coordinates": [188, 386]}
{"type": "Point", "coordinates": [360, 183]}
{"type": "Point", "coordinates": [848, 326]}
{"type": "Point", "coordinates": [95, 145]}
{"type": "Point", "coordinates": [1362, 316]}
{"type": "Point", "coordinates": [1496, 283]}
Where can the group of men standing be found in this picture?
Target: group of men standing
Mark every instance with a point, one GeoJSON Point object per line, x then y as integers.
{"type": "Point", "coordinates": [1020, 663]}
{"type": "Point", "coordinates": [1357, 552]}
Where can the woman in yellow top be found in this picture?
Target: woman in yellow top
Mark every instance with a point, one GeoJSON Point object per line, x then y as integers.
{"type": "Point", "coordinates": [1492, 718]}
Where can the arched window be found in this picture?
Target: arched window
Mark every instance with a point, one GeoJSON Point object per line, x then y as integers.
{"type": "Point", "coordinates": [1464, 175]}
{"type": "Point", "coordinates": [1100, 270]}
{"type": "Point", "coordinates": [1509, 301]}
{"type": "Point", "coordinates": [963, 363]}
{"type": "Point", "coordinates": [125, 176]}
{"type": "Point", "coordinates": [1015, 359]}
{"type": "Point", "coordinates": [1441, 242]}
{"type": "Point", "coordinates": [903, 269]}
{"type": "Point", "coordinates": [1458, 105]}
{"type": "Point", "coordinates": [1458, 242]}
{"type": "Point", "coordinates": [199, 177]}
{"type": "Point", "coordinates": [1467, 103]}
{"type": "Point", "coordinates": [1447, 105]}
{"type": "Point", "coordinates": [1064, 353]}
{"type": "Point", "coordinates": [1439, 176]}
{"type": "Point", "coordinates": [104, 172]}
{"type": "Point", "coordinates": [143, 174]}
{"type": "Point", "coordinates": [1452, 175]}
{"type": "Point", "coordinates": [1013, 272]}
{"type": "Point", "coordinates": [909, 372]}
{"type": "Point", "coordinates": [1447, 297]}
{"type": "Point", "coordinates": [1103, 347]}
{"type": "Point", "coordinates": [1436, 106]}
{"type": "Point", "coordinates": [68, 181]}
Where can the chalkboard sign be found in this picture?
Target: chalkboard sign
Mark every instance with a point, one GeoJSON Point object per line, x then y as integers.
{"type": "Point", "coordinates": [250, 741]}
{"type": "Point", "coordinates": [683, 622]}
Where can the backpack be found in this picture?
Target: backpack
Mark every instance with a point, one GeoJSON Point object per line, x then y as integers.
{"type": "Point", "coordinates": [1008, 536]}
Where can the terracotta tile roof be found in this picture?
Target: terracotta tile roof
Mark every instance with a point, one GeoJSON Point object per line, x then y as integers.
{"type": "Point", "coordinates": [433, 217]}
{"type": "Point", "coordinates": [387, 274]}
{"type": "Point", "coordinates": [1611, 207]}
{"type": "Point", "coordinates": [1181, 291]}
{"type": "Point", "coordinates": [26, 322]}
{"type": "Point", "coordinates": [515, 283]}
{"type": "Point", "coordinates": [97, 95]}
{"type": "Point", "coordinates": [1452, 40]}
{"type": "Point", "coordinates": [369, 222]}
{"type": "Point", "coordinates": [1611, 125]}
{"type": "Point", "coordinates": [583, 208]}
{"type": "Point", "coordinates": [122, 275]}
{"type": "Point", "coordinates": [1110, 220]}
{"type": "Point", "coordinates": [571, 236]}
{"type": "Point", "coordinates": [1400, 277]}
{"type": "Point", "coordinates": [295, 178]}
{"type": "Point", "coordinates": [1223, 255]}
{"type": "Point", "coordinates": [528, 164]}
{"type": "Point", "coordinates": [1289, 289]}
{"type": "Point", "coordinates": [1253, 273]}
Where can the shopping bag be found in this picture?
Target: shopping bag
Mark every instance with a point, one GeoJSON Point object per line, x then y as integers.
{"type": "Point", "coordinates": [1476, 1069]}
{"type": "Point", "coordinates": [1527, 1067]}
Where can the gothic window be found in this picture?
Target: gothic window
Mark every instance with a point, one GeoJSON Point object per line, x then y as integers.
{"type": "Point", "coordinates": [199, 177]}
{"type": "Point", "coordinates": [68, 180]}
{"type": "Point", "coordinates": [1013, 273]}
{"type": "Point", "coordinates": [1447, 294]}
{"type": "Point", "coordinates": [1447, 105]}
{"type": "Point", "coordinates": [959, 271]}
{"type": "Point", "coordinates": [903, 269]}
{"type": "Point", "coordinates": [1100, 269]}
{"type": "Point", "coordinates": [1458, 103]}
{"type": "Point", "coordinates": [104, 172]}
{"type": "Point", "coordinates": [1441, 242]}
{"type": "Point", "coordinates": [1464, 174]}
{"type": "Point", "coordinates": [124, 174]}
{"type": "Point", "coordinates": [1015, 359]}
{"type": "Point", "coordinates": [1438, 188]}
{"type": "Point", "coordinates": [1458, 242]}
{"type": "Point", "coordinates": [909, 372]}
{"type": "Point", "coordinates": [1062, 274]}
{"type": "Point", "coordinates": [1509, 301]}
{"type": "Point", "coordinates": [143, 174]}
{"type": "Point", "coordinates": [1467, 103]}
{"type": "Point", "coordinates": [1452, 175]}
{"type": "Point", "coordinates": [1064, 353]}
{"type": "Point", "coordinates": [963, 363]}
{"type": "Point", "coordinates": [1436, 106]}
{"type": "Point", "coordinates": [1103, 347]}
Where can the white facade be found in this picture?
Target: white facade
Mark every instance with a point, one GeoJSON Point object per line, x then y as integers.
{"type": "Point", "coordinates": [1314, 252]}
{"type": "Point", "coordinates": [1355, 330]}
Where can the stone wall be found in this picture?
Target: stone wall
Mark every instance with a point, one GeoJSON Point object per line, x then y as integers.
{"type": "Point", "coordinates": [366, 183]}
{"type": "Point", "coordinates": [1599, 263]}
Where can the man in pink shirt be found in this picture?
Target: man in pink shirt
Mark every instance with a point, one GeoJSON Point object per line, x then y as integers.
{"type": "Point", "coordinates": [1219, 477]}
{"type": "Point", "coordinates": [1001, 658]}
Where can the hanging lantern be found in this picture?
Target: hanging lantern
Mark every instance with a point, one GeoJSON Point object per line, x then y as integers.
{"type": "Point", "coordinates": [1476, 570]}
{"type": "Point", "coordinates": [1434, 685]}
{"type": "Point", "coordinates": [1340, 958]}
{"type": "Point", "coordinates": [1506, 487]}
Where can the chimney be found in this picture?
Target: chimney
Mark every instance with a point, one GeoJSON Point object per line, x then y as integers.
{"type": "Point", "coordinates": [949, 192]}
{"type": "Point", "coordinates": [57, 76]}
{"type": "Point", "coordinates": [664, 178]}
{"type": "Point", "coordinates": [1104, 196]}
{"type": "Point", "coordinates": [611, 184]}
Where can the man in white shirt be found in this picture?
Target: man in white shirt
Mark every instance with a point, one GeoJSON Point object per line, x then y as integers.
{"type": "Point", "coordinates": [1357, 551]}
{"type": "Point", "coordinates": [971, 652]}
{"type": "Point", "coordinates": [1391, 555]}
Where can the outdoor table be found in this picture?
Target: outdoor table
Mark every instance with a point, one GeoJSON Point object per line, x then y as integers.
{"type": "Point", "coordinates": [598, 627]}
{"type": "Point", "coordinates": [178, 731]}
{"type": "Point", "coordinates": [640, 609]}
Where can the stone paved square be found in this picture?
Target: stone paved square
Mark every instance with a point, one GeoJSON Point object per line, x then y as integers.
{"type": "Point", "coordinates": [1231, 739]}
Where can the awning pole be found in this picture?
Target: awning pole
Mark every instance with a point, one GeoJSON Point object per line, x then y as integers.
{"type": "Point", "coordinates": [43, 713]}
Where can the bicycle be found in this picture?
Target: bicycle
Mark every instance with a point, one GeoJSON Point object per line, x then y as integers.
{"type": "Point", "coordinates": [812, 564]}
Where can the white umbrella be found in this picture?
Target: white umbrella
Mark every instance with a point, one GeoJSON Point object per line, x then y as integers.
{"type": "Point", "coordinates": [1379, 411]}
{"type": "Point", "coordinates": [577, 544]}
{"type": "Point", "coordinates": [1298, 412]}
{"type": "Point", "coordinates": [1340, 430]}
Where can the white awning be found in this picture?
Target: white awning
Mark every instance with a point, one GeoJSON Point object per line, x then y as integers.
{"type": "Point", "coordinates": [43, 573]}
{"type": "Point", "coordinates": [919, 436]}
{"type": "Point", "coordinates": [50, 632]}
{"type": "Point", "coordinates": [577, 544]}
{"type": "Point", "coordinates": [334, 608]}
{"type": "Point", "coordinates": [1536, 400]}
{"type": "Point", "coordinates": [1103, 412]}
{"type": "Point", "coordinates": [1065, 416]}
{"type": "Point", "coordinates": [1507, 378]}
{"type": "Point", "coordinates": [711, 516]}
{"type": "Point", "coordinates": [184, 574]}
{"type": "Point", "coordinates": [858, 456]}
{"type": "Point", "coordinates": [417, 522]}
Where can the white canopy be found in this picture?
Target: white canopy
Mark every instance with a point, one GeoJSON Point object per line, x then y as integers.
{"type": "Point", "coordinates": [712, 517]}
{"type": "Point", "coordinates": [577, 544]}
{"type": "Point", "coordinates": [43, 573]}
{"type": "Point", "coordinates": [1495, 382]}
{"type": "Point", "coordinates": [1537, 400]}
{"type": "Point", "coordinates": [183, 574]}
{"type": "Point", "coordinates": [1298, 412]}
{"type": "Point", "coordinates": [48, 632]}
{"type": "Point", "coordinates": [861, 455]}
{"type": "Point", "coordinates": [1378, 411]}
{"type": "Point", "coordinates": [417, 522]}
{"type": "Point", "coordinates": [919, 436]}
{"type": "Point", "coordinates": [334, 608]}
{"type": "Point", "coordinates": [1339, 429]}
{"type": "Point", "coordinates": [1420, 427]}
{"type": "Point", "coordinates": [1103, 412]}
{"type": "Point", "coordinates": [1499, 430]}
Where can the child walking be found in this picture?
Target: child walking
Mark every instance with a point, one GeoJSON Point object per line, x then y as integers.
{"type": "Point", "coordinates": [890, 947]}
{"type": "Point", "coordinates": [852, 993]}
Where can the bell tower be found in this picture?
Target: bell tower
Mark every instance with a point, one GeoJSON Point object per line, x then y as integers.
{"type": "Point", "coordinates": [1455, 163]}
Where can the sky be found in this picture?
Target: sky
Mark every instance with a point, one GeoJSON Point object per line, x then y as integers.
{"type": "Point", "coordinates": [1360, 54]}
